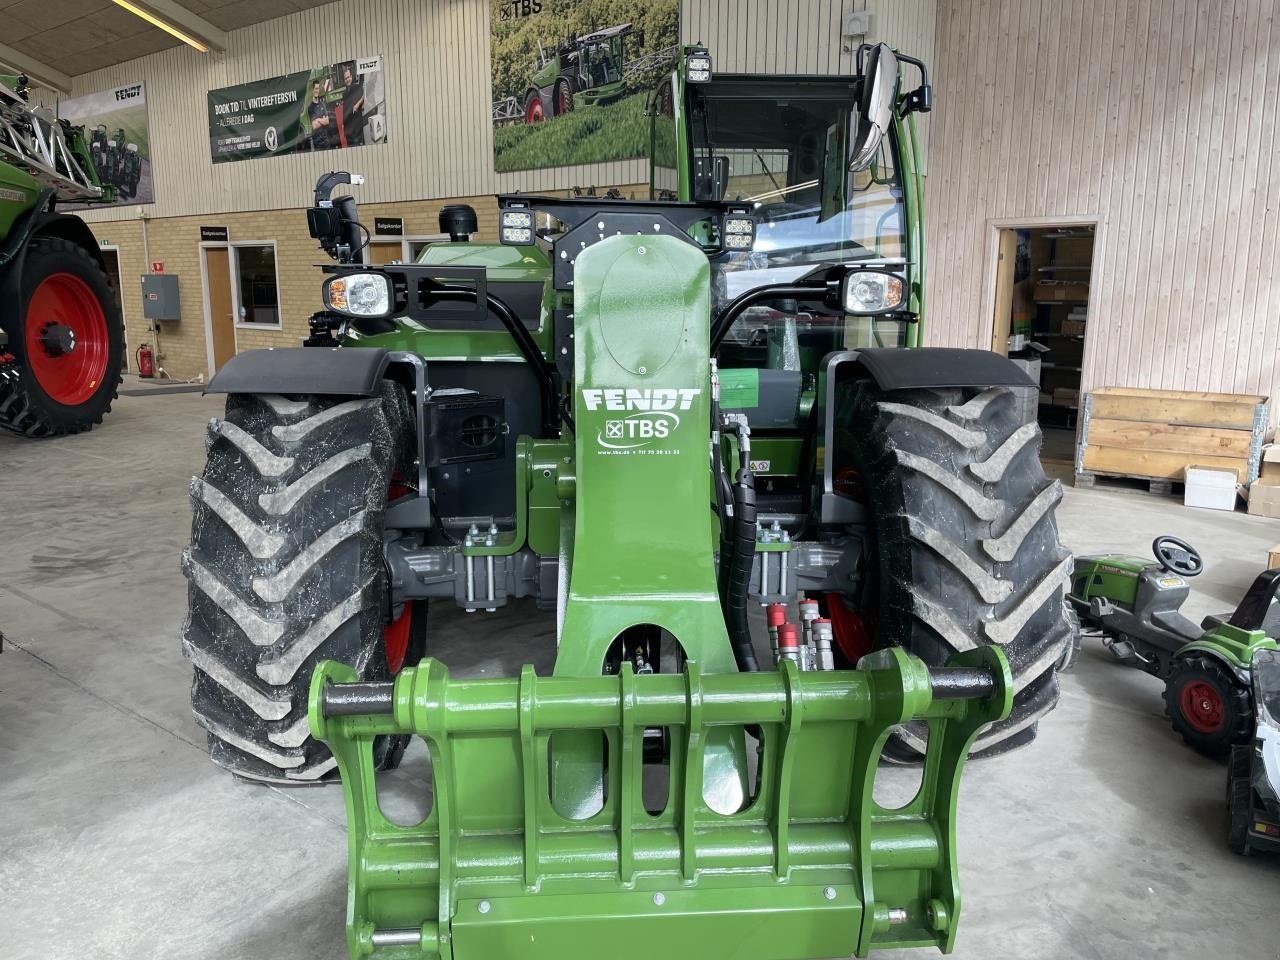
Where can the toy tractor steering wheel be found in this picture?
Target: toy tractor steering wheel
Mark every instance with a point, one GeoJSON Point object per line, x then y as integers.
{"type": "Point", "coordinates": [1177, 556]}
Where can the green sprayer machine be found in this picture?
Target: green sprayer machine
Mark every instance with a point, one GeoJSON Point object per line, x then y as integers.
{"type": "Point", "coordinates": [61, 333]}
{"type": "Point", "coordinates": [651, 419]}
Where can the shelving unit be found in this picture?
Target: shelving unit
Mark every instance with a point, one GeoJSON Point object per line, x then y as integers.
{"type": "Point", "coordinates": [1060, 296]}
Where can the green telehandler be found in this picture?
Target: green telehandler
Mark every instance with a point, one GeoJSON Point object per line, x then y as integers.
{"type": "Point", "coordinates": [649, 418]}
{"type": "Point", "coordinates": [61, 333]}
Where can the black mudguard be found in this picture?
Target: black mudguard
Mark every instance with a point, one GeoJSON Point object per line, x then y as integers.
{"type": "Point", "coordinates": [345, 371]}
{"type": "Point", "coordinates": [924, 367]}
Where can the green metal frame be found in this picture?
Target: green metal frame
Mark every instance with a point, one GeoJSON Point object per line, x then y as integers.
{"type": "Point", "coordinates": [812, 867]}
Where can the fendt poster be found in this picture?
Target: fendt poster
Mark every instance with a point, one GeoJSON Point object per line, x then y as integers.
{"type": "Point", "coordinates": [572, 78]}
{"type": "Point", "coordinates": [325, 108]}
{"type": "Point", "coordinates": [115, 128]}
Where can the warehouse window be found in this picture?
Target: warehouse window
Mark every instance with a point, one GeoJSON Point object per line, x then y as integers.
{"type": "Point", "coordinates": [258, 293]}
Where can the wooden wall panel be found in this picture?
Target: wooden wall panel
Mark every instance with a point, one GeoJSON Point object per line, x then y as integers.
{"type": "Point", "coordinates": [436, 57]}
{"type": "Point", "coordinates": [1157, 119]}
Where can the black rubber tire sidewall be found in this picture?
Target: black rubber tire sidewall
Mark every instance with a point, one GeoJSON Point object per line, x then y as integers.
{"type": "Point", "coordinates": [882, 430]}
{"type": "Point", "coordinates": [1236, 700]}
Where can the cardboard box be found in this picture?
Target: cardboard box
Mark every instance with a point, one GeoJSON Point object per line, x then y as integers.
{"type": "Point", "coordinates": [1273, 557]}
{"type": "Point", "coordinates": [1264, 500]}
{"type": "Point", "coordinates": [1047, 290]}
{"type": "Point", "coordinates": [1073, 328]}
{"type": "Point", "coordinates": [1213, 488]}
{"type": "Point", "coordinates": [1269, 467]}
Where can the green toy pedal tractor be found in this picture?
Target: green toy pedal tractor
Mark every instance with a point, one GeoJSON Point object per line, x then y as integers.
{"type": "Point", "coordinates": [1253, 776]}
{"type": "Point", "coordinates": [1205, 667]}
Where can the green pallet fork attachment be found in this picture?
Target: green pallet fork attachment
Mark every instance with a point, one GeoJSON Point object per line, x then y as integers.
{"type": "Point", "coordinates": [812, 867]}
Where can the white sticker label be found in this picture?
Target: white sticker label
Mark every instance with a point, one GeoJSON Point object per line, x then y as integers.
{"type": "Point", "coordinates": [760, 466]}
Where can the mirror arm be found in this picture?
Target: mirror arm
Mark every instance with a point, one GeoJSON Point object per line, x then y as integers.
{"type": "Point", "coordinates": [919, 100]}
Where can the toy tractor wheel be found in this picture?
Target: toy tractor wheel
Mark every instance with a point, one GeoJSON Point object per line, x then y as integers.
{"type": "Point", "coordinates": [286, 569]}
{"type": "Point", "coordinates": [533, 112]}
{"type": "Point", "coordinates": [564, 98]}
{"type": "Point", "coordinates": [1207, 705]}
{"type": "Point", "coordinates": [967, 545]}
{"type": "Point", "coordinates": [67, 342]}
{"type": "Point", "coordinates": [1239, 799]}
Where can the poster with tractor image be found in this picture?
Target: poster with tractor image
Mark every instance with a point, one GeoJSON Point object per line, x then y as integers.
{"type": "Point", "coordinates": [329, 107]}
{"type": "Point", "coordinates": [116, 131]}
{"type": "Point", "coordinates": [572, 79]}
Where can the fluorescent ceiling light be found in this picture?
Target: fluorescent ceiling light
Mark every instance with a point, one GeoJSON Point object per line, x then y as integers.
{"type": "Point", "coordinates": [164, 25]}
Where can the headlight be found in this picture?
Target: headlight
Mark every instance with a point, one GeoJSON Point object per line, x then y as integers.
{"type": "Point", "coordinates": [359, 294]}
{"type": "Point", "coordinates": [697, 66]}
{"type": "Point", "coordinates": [869, 292]}
{"type": "Point", "coordinates": [517, 226]}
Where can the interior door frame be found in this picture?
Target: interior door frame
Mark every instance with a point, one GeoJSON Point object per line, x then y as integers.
{"type": "Point", "coordinates": [206, 245]}
{"type": "Point", "coordinates": [991, 266]}
{"type": "Point", "coordinates": [405, 255]}
{"type": "Point", "coordinates": [124, 323]}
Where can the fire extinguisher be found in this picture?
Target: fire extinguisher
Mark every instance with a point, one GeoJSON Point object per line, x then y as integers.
{"type": "Point", "coordinates": [146, 362]}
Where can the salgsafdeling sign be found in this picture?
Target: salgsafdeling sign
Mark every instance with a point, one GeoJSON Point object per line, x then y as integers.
{"type": "Point", "coordinates": [325, 108]}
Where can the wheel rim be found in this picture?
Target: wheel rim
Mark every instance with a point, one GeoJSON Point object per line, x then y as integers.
{"type": "Point", "coordinates": [533, 111]}
{"type": "Point", "coordinates": [66, 339]}
{"type": "Point", "coordinates": [1202, 706]}
{"type": "Point", "coordinates": [395, 638]}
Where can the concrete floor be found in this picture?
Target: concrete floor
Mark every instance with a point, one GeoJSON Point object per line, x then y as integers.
{"type": "Point", "coordinates": [1105, 839]}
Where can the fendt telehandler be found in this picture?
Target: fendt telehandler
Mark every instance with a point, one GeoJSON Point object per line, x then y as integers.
{"type": "Point", "coordinates": [61, 333]}
{"type": "Point", "coordinates": [649, 417]}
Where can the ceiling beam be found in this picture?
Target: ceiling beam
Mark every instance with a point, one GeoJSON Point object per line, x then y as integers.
{"type": "Point", "coordinates": [173, 17]}
{"type": "Point", "coordinates": [41, 73]}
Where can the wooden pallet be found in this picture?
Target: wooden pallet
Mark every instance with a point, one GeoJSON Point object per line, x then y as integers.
{"type": "Point", "coordinates": [1154, 435]}
{"type": "Point", "coordinates": [1159, 487]}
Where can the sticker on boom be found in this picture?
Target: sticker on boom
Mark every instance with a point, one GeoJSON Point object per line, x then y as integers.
{"type": "Point", "coordinates": [651, 417]}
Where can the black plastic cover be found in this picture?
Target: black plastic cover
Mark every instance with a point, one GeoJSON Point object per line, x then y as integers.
{"type": "Point", "coordinates": [345, 371]}
{"type": "Point", "coordinates": [900, 369]}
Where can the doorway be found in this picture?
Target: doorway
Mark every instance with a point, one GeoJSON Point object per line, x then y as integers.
{"type": "Point", "coordinates": [219, 307]}
{"type": "Point", "coordinates": [1041, 320]}
{"type": "Point", "coordinates": [111, 262]}
{"type": "Point", "coordinates": [382, 250]}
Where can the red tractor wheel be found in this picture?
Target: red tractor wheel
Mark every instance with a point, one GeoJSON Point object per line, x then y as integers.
{"type": "Point", "coordinates": [533, 109]}
{"type": "Point", "coordinates": [1207, 704]}
{"type": "Point", "coordinates": [67, 341]}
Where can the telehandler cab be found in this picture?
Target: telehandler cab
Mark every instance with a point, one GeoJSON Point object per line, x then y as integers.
{"type": "Point", "coordinates": [647, 417]}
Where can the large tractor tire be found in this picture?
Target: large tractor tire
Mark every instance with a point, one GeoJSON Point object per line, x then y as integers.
{"type": "Point", "coordinates": [66, 340]}
{"type": "Point", "coordinates": [967, 543]}
{"type": "Point", "coordinates": [286, 569]}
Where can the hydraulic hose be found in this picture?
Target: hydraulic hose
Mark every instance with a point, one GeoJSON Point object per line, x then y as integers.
{"type": "Point", "coordinates": [740, 545]}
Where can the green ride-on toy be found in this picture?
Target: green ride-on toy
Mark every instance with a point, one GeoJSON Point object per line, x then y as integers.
{"type": "Point", "coordinates": [1206, 668]}
{"type": "Point", "coordinates": [1253, 777]}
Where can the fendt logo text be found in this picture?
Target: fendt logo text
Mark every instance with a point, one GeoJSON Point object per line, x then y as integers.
{"type": "Point", "coordinates": [650, 416]}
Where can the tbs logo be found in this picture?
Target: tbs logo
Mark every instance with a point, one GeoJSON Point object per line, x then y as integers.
{"type": "Point", "coordinates": [651, 413]}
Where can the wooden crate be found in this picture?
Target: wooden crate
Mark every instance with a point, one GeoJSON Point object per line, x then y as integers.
{"type": "Point", "coordinates": [1157, 434]}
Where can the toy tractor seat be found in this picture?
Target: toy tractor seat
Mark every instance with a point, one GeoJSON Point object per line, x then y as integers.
{"type": "Point", "coordinates": [1258, 609]}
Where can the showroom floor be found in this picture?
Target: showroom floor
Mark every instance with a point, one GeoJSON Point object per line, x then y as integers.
{"type": "Point", "coordinates": [1104, 839]}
